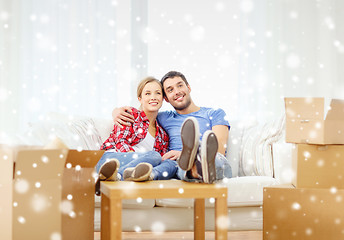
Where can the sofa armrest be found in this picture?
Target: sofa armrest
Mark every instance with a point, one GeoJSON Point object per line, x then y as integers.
{"type": "Point", "coordinates": [282, 157]}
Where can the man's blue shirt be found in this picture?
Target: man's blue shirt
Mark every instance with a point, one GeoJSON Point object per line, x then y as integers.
{"type": "Point", "coordinates": [172, 121]}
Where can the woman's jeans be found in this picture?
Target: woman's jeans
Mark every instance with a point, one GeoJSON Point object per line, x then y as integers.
{"type": "Point", "coordinates": [223, 169]}
{"type": "Point", "coordinates": [162, 170]}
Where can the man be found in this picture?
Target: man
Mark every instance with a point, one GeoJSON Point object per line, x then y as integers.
{"type": "Point", "coordinates": [184, 125]}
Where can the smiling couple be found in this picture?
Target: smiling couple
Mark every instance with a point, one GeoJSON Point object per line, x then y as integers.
{"type": "Point", "coordinates": [188, 143]}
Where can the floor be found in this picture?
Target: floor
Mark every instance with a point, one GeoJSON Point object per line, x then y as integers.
{"type": "Point", "coordinates": [242, 235]}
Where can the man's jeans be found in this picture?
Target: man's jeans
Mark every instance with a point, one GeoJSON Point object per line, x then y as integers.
{"type": "Point", "coordinates": [223, 169]}
{"type": "Point", "coordinates": [162, 170]}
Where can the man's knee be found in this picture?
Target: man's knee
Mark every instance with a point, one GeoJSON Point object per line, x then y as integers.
{"type": "Point", "coordinates": [155, 156]}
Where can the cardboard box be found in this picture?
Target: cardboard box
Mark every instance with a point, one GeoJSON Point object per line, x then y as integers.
{"type": "Point", "coordinates": [318, 166]}
{"type": "Point", "coordinates": [299, 213]}
{"type": "Point", "coordinates": [53, 194]}
{"type": "Point", "coordinates": [6, 177]}
{"type": "Point", "coordinates": [306, 122]}
{"type": "Point", "coordinates": [37, 194]}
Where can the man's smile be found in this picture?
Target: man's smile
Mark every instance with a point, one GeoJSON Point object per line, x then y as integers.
{"type": "Point", "coordinates": [179, 98]}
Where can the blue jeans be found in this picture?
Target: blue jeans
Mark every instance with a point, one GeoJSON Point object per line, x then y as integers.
{"type": "Point", "coordinates": [223, 169]}
{"type": "Point", "coordinates": [162, 170]}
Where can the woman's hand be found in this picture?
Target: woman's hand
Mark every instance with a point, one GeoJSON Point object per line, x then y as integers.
{"type": "Point", "coordinates": [122, 116]}
{"type": "Point", "coordinates": [173, 155]}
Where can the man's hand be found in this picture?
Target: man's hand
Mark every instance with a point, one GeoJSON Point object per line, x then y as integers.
{"type": "Point", "coordinates": [173, 155]}
{"type": "Point", "coordinates": [122, 116]}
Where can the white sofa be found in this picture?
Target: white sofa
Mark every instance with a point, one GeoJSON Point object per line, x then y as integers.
{"type": "Point", "coordinates": [257, 152]}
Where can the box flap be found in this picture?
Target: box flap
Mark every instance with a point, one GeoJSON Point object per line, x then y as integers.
{"type": "Point", "coordinates": [304, 108]}
{"type": "Point", "coordinates": [15, 149]}
{"type": "Point", "coordinates": [286, 185]}
{"type": "Point", "coordinates": [78, 204]}
{"type": "Point", "coordinates": [85, 158]}
{"type": "Point", "coordinates": [336, 111]}
{"type": "Point", "coordinates": [78, 191]}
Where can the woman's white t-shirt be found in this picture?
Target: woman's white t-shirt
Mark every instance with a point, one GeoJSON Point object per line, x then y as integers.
{"type": "Point", "coordinates": [147, 144]}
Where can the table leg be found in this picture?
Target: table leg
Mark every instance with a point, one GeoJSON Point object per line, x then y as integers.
{"type": "Point", "coordinates": [116, 219]}
{"type": "Point", "coordinates": [199, 219]}
{"type": "Point", "coordinates": [221, 218]}
{"type": "Point", "coordinates": [104, 224]}
{"type": "Point", "coordinates": [111, 219]}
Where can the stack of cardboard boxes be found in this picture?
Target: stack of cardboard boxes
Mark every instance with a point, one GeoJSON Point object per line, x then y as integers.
{"type": "Point", "coordinates": [313, 206]}
{"type": "Point", "coordinates": [46, 194]}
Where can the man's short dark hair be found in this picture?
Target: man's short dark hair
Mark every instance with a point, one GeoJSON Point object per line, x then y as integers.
{"type": "Point", "coordinates": [173, 74]}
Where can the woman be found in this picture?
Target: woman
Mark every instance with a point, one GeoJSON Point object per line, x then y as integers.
{"type": "Point", "coordinates": [134, 152]}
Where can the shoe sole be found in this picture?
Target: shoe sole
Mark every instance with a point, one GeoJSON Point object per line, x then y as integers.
{"type": "Point", "coordinates": [127, 174]}
{"type": "Point", "coordinates": [190, 140]}
{"type": "Point", "coordinates": [108, 169]}
{"type": "Point", "coordinates": [209, 148]}
{"type": "Point", "coordinates": [142, 172]}
{"type": "Point", "coordinates": [105, 172]}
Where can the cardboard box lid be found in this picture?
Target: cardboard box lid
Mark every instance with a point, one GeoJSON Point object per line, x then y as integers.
{"type": "Point", "coordinates": [304, 108]}
{"type": "Point", "coordinates": [313, 108]}
{"type": "Point", "coordinates": [336, 111]}
{"type": "Point", "coordinates": [85, 158]}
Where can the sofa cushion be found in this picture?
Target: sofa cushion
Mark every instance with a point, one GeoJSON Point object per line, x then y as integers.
{"type": "Point", "coordinates": [242, 191]}
{"type": "Point", "coordinates": [104, 127]}
{"type": "Point", "coordinates": [283, 161]}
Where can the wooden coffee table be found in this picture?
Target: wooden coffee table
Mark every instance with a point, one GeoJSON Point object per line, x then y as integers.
{"type": "Point", "coordinates": [114, 192]}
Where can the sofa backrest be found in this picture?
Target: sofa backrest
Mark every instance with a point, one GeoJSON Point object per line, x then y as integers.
{"type": "Point", "coordinates": [249, 146]}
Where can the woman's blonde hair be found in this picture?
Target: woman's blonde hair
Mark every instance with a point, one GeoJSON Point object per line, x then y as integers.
{"type": "Point", "coordinates": [144, 82]}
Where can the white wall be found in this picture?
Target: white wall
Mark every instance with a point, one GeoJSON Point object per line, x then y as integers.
{"type": "Point", "coordinates": [245, 56]}
{"type": "Point", "coordinates": [72, 57]}
{"type": "Point", "coordinates": [85, 57]}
